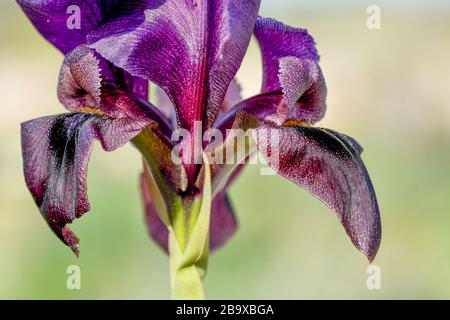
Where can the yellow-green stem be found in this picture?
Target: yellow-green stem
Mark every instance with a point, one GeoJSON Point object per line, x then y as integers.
{"type": "Point", "coordinates": [187, 219]}
{"type": "Point", "coordinates": [186, 280]}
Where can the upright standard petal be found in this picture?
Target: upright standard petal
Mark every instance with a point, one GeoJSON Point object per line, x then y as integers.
{"type": "Point", "coordinates": [277, 41]}
{"type": "Point", "coordinates": [329, 166]}
{"type": "Point", "coordinates": [55, 153]}
{"type": "Point", "coordinates": [65, 23]}
{"type": "Point", "coordinates": [191, 49]}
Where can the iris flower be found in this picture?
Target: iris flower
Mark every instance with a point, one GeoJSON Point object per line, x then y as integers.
{"type": "Point", "coordinates": [192, 50]}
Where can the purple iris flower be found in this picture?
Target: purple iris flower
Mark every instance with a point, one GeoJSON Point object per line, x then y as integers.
{"type": "Point", "coordinates": [192, 50]}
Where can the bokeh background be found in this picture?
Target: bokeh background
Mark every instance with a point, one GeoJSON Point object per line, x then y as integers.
{"type": "Point", "coordinates": [389, 88]}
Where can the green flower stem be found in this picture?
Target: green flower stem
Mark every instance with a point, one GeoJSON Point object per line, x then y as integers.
{"type": "Point", "coordinates": [186, 279]}
{"type": "Point", "coordinates": [188, 245]}
{"type": "Point", "coordinates": [186, 218]}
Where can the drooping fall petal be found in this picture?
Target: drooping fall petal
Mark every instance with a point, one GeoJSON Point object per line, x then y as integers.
{"type": "Point", "coordinates": [191, 49]}
{"type": "Point", "coordinates": [56, 151]}
{"type": "Point", "coordinates": [65, 23]}
{"type": "Point", "coordinates": [329, 166]}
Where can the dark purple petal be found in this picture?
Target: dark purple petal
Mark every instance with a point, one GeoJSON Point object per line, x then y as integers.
{"type": "Point", "coordinates": [163, 103]}
{"type": "Point", "coordinates": [123, 79]}
{"type": "Point", "coordinates": [56, 151]}
{"type": "Point", "coordinates": [277, 41]}
{"type": "Point", "coordinates": [222, 226]}
{"type": "Point", "coordinates": [156, 228]}
{"type": "Point", "coordinates": [223, 221]}
{"type": "Point", "coordinates": [191, 49]}
{"type": "Point", "coordinates": [112, 75]}
{"type": "Point", "coordinates": [52, 17]}
{"type": "Point", "coordinates": [327, 164]}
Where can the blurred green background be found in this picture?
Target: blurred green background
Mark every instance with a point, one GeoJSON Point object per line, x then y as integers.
{"type": "Point", "coordinates": [388, 88]}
